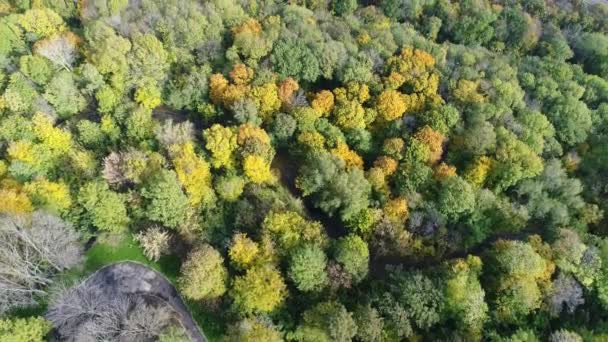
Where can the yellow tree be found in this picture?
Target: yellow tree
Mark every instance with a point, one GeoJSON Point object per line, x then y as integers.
{"type": "Point", "coordinates": [261, 289]}
{"type": "Point", "coordinates": [243, 251]}
{"type": "Point", "coordinates": [241, 74]}
{"type": "Point", "coordinates": [221, 142]}
{"type": "Point", "coordinates": [257, 169]}
{"type": "Point", "coordinates": [287, 88]}
{"type": "Point", "coordinates": [266, 97]}
{"type": "Point", "coordinates": [56, 139]}
{"type": "Point", "coordinates": [443, 171]}
{"type": "Point", "coordinates": [478, 171]}
{"type": "Point", "coordinates": [388, 165]}
{"type": "Point", "coordinates": [217, 87]}
{"type": "Point", "coordinates": [467, 91]}
{"type": "Point", "coordinates": [350, 157]}
{"type": "Point", "coordinates": [396, 210]}
{"type": "Point", "coordinates": [42, 22]}
{"type": "Point", "coordinates": [323, 102]}
{"type": "Point", "coordinates": [13, 200]}
{"type": "Point", "coordinates": [433, 140]}
{"type": "Point", "coordinates": [312, 139]}
{"type": "Point", "coordinates": [415, 68]}
{"type": "Point", "coordinates": [289, 229]}
{"type": "Point", "coordinates": [391, 105]}
{"type": "Point", "coordinates": [49, 195]}
{"type": "Point", "coordinates": [193, 172]}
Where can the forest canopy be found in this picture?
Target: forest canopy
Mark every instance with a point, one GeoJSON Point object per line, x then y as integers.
{"type": "Point", "coordinates": [306, 170]}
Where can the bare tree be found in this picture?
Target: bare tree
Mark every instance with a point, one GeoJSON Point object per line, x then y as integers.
{"type": "Point", "coordinates": [175, 133]}
{"type": "Point", "coordinates": [32, 249]}
{"type": "Point", "coordinates": [566, 291]}
{"type": "Point", "coordinates": [60, 50]}
{"type": "Point", "coordinates": [112, 171]}
{"type": "Point", "coordinates": [154, 241]}
{"type": "Point", "coordinates": [120, 168]}
{"type": "Point", "coordinates": [88, 312]}
{"type": "Point", "coordinates": [146, 321]}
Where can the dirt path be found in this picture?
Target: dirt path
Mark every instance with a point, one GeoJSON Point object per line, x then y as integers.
{"type": "Point", "coordinates": [133, 278]}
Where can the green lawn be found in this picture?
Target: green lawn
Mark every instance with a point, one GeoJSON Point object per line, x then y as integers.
{"type": "Point", "coordinates": [108, 251]}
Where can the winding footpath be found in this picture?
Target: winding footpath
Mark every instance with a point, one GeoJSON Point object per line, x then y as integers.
{"type": "Point", "coordinates": [130, 277]}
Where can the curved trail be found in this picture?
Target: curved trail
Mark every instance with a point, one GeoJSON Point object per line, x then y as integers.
{"type": "Point", "coordinates": [130, 277]}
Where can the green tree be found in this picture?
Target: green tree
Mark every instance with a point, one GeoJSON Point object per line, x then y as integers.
{"type": "Point", "coordinates": [333, 321]}
{"type": "Point", "coordinates": [456, 197]}
{"type": "Point", "coordinates": [334, 189]}
{"type": "Point", "coordinates": [165, 201]}
{"type": "Point", "coordinates": [307, 268]}
{"type": "Point", "coordinates": [294, 58]}
{"type": "Point", "coordinates": [464, 296]}
{"type": "Point", "coordinates": [63, 94]}
{"type": "Point", "coordinates": [420, 297]}
{"type": "Point", "coordinates": [369, 324]}
{"type": "Point", "coordinates": [515, 274]}
{"type": "Point", "coordinates": [104, 208]}
{"type": "Point", "coordinates": [253, 330]}
{"type": "Point", "coordinates": [352, 252]}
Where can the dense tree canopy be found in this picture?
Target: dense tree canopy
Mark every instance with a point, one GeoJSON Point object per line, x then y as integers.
{"type": "Point", "coordinates": [312, 170]}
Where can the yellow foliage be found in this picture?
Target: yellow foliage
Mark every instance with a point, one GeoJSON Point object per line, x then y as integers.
{"type": "Point", "coordinates": [257, 169]}
{"type": "Point", "coordinates": [479, 170]}
{"type": "Point", "coordinates": [323, 102]}
{"type": "Point", "coordinates": [434, 141]}
{"type": "Point", "coordinates": [43, 22]}
{"type": "Point", "coordinates": [443, 171]}
{"type": "Point", "coordinates": [193, 172]}
{"type": "Point", "coordinates": [233, 93]}
{"type": "Point", "coordinates": [377, 179]}
{"type": "Point", "coordinates": [266, 97]}
{"type": "Point", "coordinates": [243, 251]}
{"type": "Point", "coordinates": [50, 195]}
{"type": "Point", "coordinates": [288, 229]}
{"type": "Point", "coordinates": [248, 26]}
{"type": "Point", "coordinates": [109, 127]}
{"type": "Point", "coordinates": [391, 105]}
{"type": "Point", "coordinates": [388, 165]}
{"type": "Point", "coordinates": [241, 74]}
{"type": "Point", "coordinates": [217, 87]}
{"type": "Point", "coordinates": [286, 90]}
{"type": "Point", "coordinates": [22, 150]}
{"type": "Point", "coordinates": [221, 142]}
{"type": "Point", "coordinates": [3, 169]}
{"type": "Point", "coordinates": [83, 161]}
{"type": "Point", "coordinates": [13, 201]}
{"type": "Point", "coordinates": [411, 62]}
{"type": "Point", "coordinates": [248, 131]}
{"type": "Point", "coordinates": [417, 69]}
{"type": "Point", "coordinates": [312, 139]}
{"type": "Point", "coordinates": [363, 38]}
{"type": "Point", "coordinates": [394, 80]}
{"type": "Point", "coordinates": [148, 96]}
{"type": "Point", "coordinates": [393, 147]}
{"type": "Point", "coordinates": [349, 114]}
{"type": "Point", "coordinates": [351, 158]}
{"type": "Point", "coordinates": [353, 92]}
{"type": "Point", "coordinates": [396, 210]}
{"type": "Point", "coordinates": [467, 91]}
{"type": "Point", "coordinates": [54, 138]}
